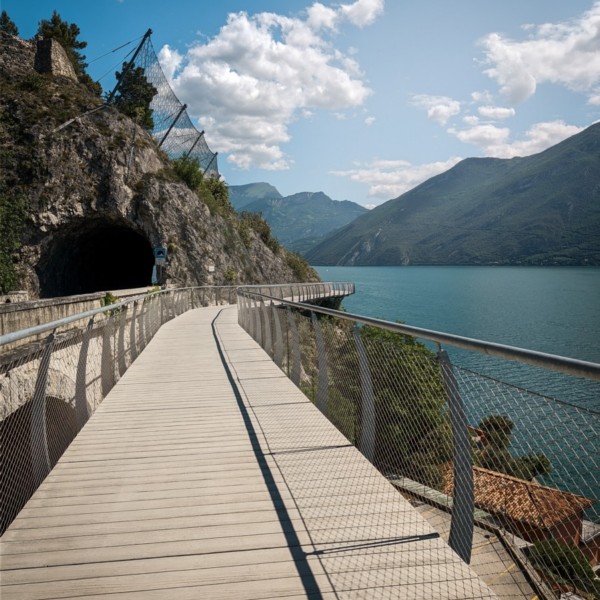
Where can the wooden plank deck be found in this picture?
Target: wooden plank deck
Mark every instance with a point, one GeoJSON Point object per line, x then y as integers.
{"type": "Point", "coordinates": [206, 473]}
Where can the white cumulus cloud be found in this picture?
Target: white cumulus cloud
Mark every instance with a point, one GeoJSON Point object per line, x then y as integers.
{"type": "Point", "coordinates": [496, 112]}
{"type": "Point", "coordinates": [494, 141]}
{"type": "Point", "coordinates": [566, 54]}
{"type": "Point", "coordinates": [262, 72]}
{"type": "Point", "coordinates": [362, 12]}
{"type": "Point", "coordinates": [439, 108]}
{"type": "Point", "coordinates": [390, 178]}
{"type": "Point", "coordinates": [538, 137]}
{"type": "Point", "coordinates": [482, 135]}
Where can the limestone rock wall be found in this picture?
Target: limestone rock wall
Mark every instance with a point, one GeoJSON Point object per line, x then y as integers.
{"type": "Point", "coordinates": [103, 172]}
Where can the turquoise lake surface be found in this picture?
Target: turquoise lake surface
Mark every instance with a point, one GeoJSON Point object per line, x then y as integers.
{"type": "Point", "coordinates": [551, 309]}
{"type": "Point", "coordinates": [548, 309]}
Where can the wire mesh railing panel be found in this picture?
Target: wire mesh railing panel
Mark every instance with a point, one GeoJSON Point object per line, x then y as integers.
{"type": "Point", "coordinates": [536, 476]}
{"type": "Point", "coordinates": [510, 477]}
{"type": "Point", "coordinates": [50, 388]}
{"type": "Point", "coordinates": [367, 540]}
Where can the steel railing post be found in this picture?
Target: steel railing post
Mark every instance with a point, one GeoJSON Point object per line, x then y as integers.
{"type": "Point", "coordinates": [296, 358]}
{"type": "Point", "coordinates": [462, 524]}
{"type": "Point", "coordinates": [278, 346]}
{"type": "Point", "coordinates": [132, 343]}
{"type": "Point", "coordinates": [81, 405]}
{"type": "Point", "coordinates": [366, 440]}
{"type": "Point", "coordinates": [107, 373]}
{"type": "Point", "coordinates": [323, 383]}
{"type": "Point", "coordinates": [40, 458]}
{"type": "Point", "coordinates": [121, 351]}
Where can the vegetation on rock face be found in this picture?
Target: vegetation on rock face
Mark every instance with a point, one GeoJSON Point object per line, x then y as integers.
{"type": "Point", "coordinates": [61, 189]}
{"type": "Point", "coordinates": [565, 565]}
{"type": "Point", "coordinates": [7, 25]}
{"type": "Point", "coordinates": [298, 265]}
{"type": "Point", "coordinates": [66, 34]}
{"type": "Point", "coordinates": [257, 223]}
{"type": "Point", "coordinates": [13, 212]}
{"type": "Point", "coordinates": [188, 170]}
{"type": "Point", "coordinates": [217, 189]}
{"type": "Point", "coordinates": [215, 194]}
{"type": "Point", "coordinates": [212, 191]}
{"type": "Point", "coordinates": [135, 95]}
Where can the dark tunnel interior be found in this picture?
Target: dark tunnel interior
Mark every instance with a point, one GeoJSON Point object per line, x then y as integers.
{"type": "Point", "coordinates": [95, 256]}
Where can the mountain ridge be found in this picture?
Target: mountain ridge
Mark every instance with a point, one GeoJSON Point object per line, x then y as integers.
{"type": "Point", "coordinates": [539, 209]}
{"type": "Point", "coordinates": [300, 220]}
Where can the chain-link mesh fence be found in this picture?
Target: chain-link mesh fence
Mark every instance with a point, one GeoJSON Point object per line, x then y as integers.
{"type": "Point", "coordinates": [509, 476]}
{"type": "Point", "coordinates": [143, 82]}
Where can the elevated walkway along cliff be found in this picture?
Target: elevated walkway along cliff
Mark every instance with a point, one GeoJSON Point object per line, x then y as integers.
{"type": "Point", "coordinates": [206, 473]}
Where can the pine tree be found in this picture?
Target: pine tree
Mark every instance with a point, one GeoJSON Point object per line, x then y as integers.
{"type": "Point", "coordinates": [135, 95]}
{"type": "Point", "coordinates": [7, 25]}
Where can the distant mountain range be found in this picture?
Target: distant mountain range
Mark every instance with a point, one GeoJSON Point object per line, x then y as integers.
{"type": "Point", "coordinates": [299, 221]}
{"type": "Point", "coordinates": [542, 209]}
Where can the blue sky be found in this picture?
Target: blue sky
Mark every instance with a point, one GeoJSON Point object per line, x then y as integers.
{"type": "Point", "coordinates": [361, 99]}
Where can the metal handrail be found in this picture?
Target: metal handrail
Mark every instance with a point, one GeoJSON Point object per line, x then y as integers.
{"type": "Point", "coordinates": [570, 366]}
{"type": "Point", "coordinates": [21, 334]}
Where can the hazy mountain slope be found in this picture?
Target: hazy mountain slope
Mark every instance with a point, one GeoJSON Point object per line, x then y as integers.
{"type": "Point", "coordinates": [242, 195]}
{"type": "Point", "coordinates": [298, 221]}
{"type": "Point", "coordinates": [541, 209]}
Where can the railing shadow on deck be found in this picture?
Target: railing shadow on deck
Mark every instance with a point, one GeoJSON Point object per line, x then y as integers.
{"type": "Point", "coordinates": [478, 444]}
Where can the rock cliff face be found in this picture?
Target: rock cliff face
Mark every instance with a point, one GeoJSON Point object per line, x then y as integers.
{"type": "Point", "coordinates": [98, 195]}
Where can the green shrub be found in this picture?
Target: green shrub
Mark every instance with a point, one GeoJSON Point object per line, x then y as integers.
{"type": "Point", "coordinates": [496, 455]}
{"type": "Point", "coordinates": [217, 190]}
{"type": "Point", "coordinates": [109, 299]}
{"type": "Point", "coordinates": [188, 170]}
{"type": "Point", "coordinates": [565, 565]}
{"type": "Point", "coordinates": [244, 233]}
{"type": "Point", "coordinates": [135, 95]}
{"type": "Point", "coordinates": [256, 222]}
{"type": "Point", "coordinates": [230, 275]}
{"type": "Point", "coordinates": [299, 266]}
{"type": "Point", "coordinates": [13, 212]}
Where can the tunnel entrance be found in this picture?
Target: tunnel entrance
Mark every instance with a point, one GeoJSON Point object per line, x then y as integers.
{"type": "Point", "coordinates": [95, 256]}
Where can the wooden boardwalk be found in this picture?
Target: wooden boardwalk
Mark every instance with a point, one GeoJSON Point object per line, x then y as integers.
{"type": "Point", "coordinates": [206, 474]}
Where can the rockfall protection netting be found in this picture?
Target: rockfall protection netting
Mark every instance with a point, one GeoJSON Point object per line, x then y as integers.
{"type": "Point", "coordinates": [170, 124]}
{"type": "Point", "coordinates": [530, 522]}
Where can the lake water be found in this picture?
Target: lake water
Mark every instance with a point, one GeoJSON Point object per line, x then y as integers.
{"type": "Point", "coordinates": [549, 309]}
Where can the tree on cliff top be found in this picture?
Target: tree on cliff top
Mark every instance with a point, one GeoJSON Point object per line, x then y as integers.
{"type": "Point", "coordinates": [7, 25]}
{"type": "Point", "coordinates": [66, 35]}
{"type": "Point", "coordinates": [135, 95]}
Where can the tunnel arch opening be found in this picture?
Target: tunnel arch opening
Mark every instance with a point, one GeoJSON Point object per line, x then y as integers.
{"type": "Point", "coordinates": [93, 256]}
